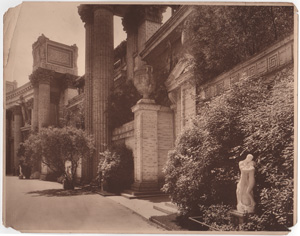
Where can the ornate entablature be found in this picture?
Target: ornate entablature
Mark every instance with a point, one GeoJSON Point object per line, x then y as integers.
{"type": "Point", "coordinates": [51, 55]}
{"type": "Point", "coordinates": [13, 97]}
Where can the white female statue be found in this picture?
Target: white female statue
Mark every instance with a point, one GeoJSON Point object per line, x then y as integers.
{"type": "Point", "coordinates": [244, 191]}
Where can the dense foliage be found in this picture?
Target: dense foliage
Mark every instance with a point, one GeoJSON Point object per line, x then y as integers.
{"type": "Point", "coordinates": [73, 117]}
{"type": "Point", "coordinates": [220, 37]}
{"type": "Point", "coordinates": [255, 117]}
{"type": "Point", "coordinates": [115, 170]}
{"type": "Point", "coordinates": [53, 146]}
{"type": "Point", "coordinates": [122, 100]}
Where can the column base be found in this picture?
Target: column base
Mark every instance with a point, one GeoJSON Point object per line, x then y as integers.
{"type": "Point", "coordinates": [146, 101]}
{"type": "Point", "coordinates": [145, 186]}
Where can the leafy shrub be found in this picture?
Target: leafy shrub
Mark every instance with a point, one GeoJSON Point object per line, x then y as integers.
{"type": "Point", "coordinates": [115, 169]}
{"type": "Point", "coordinates": [255, 117]}
{"type": "Point", "coordinates": [53, 146]}
{"type": "Point", "coordinates": [217, 216]}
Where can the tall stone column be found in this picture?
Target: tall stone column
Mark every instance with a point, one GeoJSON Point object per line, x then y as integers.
{"type": "Point", "coordinates": [87, 16]}
{"type": "Point", "coordinates": [44, 102]}
{"type": "Point", "coordinates": [102, 74]}
{"type": "Point", "coordinates": [35, 118]}
{"type": "Point", "coordinates": [17, 113]}
{"type": "Point", "coordinates": [99, 73]}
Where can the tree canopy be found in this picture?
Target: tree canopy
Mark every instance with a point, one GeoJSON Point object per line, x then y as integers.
{"type": "Point", "coordinates": [53, 146]}
{"type": "Point", "coordinates": [219, 37]}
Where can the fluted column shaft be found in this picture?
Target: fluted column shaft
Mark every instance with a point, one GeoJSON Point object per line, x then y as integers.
{"type": "Point", "coordinates": [17, 135]}
{"type": "Point", "coordinates": [102, 74]}
{"type": "Point", "coordinates": [35, 118]}
{"type": "Point", "coordinates": [87, 172]}
{"type": "Point", "coordinates": [44, 103]}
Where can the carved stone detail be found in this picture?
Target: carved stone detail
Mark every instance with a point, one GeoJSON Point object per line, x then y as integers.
{"type": "Point", "coordinates": [39, 50]}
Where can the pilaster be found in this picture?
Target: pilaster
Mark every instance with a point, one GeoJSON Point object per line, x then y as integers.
{"type": "Point", "coordinates": [145, 135]}
{"type": "Point", "coordinates": [153, 134]}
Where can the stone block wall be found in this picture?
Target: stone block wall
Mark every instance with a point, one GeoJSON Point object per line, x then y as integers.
{"type": "Point", "coordinates": [165, 134]}
{"type": "Point", "coordinates": [124, 135]}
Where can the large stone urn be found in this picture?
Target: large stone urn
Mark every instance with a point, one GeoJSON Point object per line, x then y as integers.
{"type": "Point", "coordinates": [144, 82]}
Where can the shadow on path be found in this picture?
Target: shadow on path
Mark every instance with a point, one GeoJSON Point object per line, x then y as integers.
{"type": "Point", "coordinates": [61, 192]}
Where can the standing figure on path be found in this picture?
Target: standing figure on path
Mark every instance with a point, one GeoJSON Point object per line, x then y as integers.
{"type": "Point", "coordinates": [68, 180]}
{"type": "Point", "coordinates": [244, 191]}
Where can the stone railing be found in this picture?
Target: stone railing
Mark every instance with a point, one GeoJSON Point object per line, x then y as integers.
{"type": "Point", "coordinates": [271, 59]}
{"type": "Point", "coordinates": [123, 132]}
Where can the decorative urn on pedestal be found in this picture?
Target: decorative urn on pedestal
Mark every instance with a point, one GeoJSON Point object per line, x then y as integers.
{"type": "Point", "coordinates": [144, 82]}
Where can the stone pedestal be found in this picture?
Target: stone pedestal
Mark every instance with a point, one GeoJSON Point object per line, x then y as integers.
{"type": "Point", "coordinates": [17, 136]}
{"type": "Point", "coordinates": [149, 132]}
{"type": "Point", "coordinates": [238, 218]}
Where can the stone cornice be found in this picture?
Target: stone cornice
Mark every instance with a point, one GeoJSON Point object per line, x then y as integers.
{"type": "Point", "coordinates": [17, 92]}
{"type": "Point", "coordinates": [41, 75]}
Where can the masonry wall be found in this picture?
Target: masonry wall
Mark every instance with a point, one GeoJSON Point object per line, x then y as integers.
{"type": "Point", "coordinates": [165, 139]}
{"type": "Point", "coordinates": [272, 59]}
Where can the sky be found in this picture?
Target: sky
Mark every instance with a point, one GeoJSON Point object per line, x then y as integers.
{"type": "Point", "coordinates": [57, 21]}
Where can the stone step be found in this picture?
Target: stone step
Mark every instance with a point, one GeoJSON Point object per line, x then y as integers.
{"type": "Point", "coordinates": [140, 193]}
{"type": "Point", "coordinates": [172, 205]}
{"type": "Point", "coordinates": [131, 196]}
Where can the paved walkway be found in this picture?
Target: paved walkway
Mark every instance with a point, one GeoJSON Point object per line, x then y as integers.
{"type": "Point", "coordinates": [35, 205]}
{"type": "Point", "coordinates": [143, 207]}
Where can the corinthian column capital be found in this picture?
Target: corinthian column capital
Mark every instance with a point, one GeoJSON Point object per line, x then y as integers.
{"type": "Point", "coordinates": [41, 75]}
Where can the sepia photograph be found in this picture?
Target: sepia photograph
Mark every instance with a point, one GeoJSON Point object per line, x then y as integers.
{"type": "Point", "coordinates": [150, 117]}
